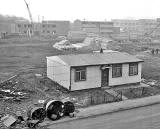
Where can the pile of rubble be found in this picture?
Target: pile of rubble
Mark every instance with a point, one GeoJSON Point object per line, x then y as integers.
{"type": "Point", "coordinates": [150, 82]}
{"type": "Point", "coordinates": [13, 89]}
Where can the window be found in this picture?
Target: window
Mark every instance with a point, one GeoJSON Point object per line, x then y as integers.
{"type": "Point", "coordinates": [53, 32]}
{"type": "Point", "coordinates": [116, 70]}
{"type": "Point", "coordinates": [53, 26]}
{"type": "Point", "coordinates": [19, 25]}
{"type": "Point", "coordinates": [43, 26]}
{"type": "Point", "coordinates": [80, 74]}
{"type": "Point", "coordinates": [133, 69]}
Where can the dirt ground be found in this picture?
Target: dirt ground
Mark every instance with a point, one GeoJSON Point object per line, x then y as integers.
{"type": "Point", "coordinates": [24, 55]}
{"type": "Point", "coordinates": [27, 57]}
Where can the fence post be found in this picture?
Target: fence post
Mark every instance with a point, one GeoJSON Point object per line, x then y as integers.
{"type": "Point", "coordinates": [91, 99]}
{"type": "Point", "coordinates": [121, 95]}
{"type": "Point", "coordinates": [104, 98]}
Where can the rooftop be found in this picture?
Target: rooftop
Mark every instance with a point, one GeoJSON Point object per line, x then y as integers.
{"type": "Point", "coordinates": [110, 57]}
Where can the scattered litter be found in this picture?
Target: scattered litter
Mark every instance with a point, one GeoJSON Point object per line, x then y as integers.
{"type": "Point", "coordinates": [32, 123]}
{"type": "Point", "coordinates": [72, 114]}
{"type": "Point", "coordinates": [4, 117]}
{"type": "Point", "coordinates": [151, 83]}
{"type": "Point", "coordinates": [9, 120]}
{"type": "Point", "coordinates": [41, 101]}
{"type": "Point", "coordinates": [6, 90]}
{"type": "Point", "coordinates": [143, 80]}
{"type": "Point", "coordinates": [38, 75]}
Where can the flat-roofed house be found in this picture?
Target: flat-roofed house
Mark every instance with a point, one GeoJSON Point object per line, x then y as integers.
{"type": "Point", "coordinates": [94, 70]}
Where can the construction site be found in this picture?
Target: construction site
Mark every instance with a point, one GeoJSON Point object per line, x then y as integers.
{"type": "Point", "coordinates": [29, 96]}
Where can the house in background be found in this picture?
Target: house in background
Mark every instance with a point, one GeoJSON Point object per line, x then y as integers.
{"type": "Point", "coordinates": [94, 70]}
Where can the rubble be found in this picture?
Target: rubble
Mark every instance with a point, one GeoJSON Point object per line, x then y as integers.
{"type": "Point", "coordinates": [150, 82]}
{"type": "Point", "coordinates": [51, 109]}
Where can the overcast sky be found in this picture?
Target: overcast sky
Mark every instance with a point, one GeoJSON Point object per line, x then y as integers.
{"type": "Point", "coordinates": [82, 9]}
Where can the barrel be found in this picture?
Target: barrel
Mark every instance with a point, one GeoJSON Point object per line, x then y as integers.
{"type": "Point", "coordinates": [36, 113]}
{"type": "Point", "coordinates": [68, 108]}
{"type": "Point", "coordinates": [54, 109]}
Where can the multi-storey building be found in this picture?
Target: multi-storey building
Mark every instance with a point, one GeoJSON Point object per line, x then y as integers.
{"type": "Point", "coordinates": [7, 27]}
{"type": "Point", "coordinates": [55, 27]}
{"type": "Point", "coordinates": [44, 28]}
{"type": "Point", "coordinates": [127, 25]}
{"type": "Point", "coordinates": [147, 26]}
{"type": "Point", "coordinates": [150, 27]}
{"type": "Point", "coordinates": [102, 28]}
{"type": "Point", "coordinates": [24, 28]}
{"type": "Point", "coordinates": [139, 28]}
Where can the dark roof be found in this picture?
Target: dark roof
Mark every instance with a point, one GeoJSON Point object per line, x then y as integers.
{"type": "Point", "coordinates": [98, 58]}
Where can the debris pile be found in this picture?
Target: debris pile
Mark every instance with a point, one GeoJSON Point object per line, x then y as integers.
{"type": "Point", "coordinates": [50, 109]}
{"type": "Point", "coordinates": [150, 82]}
{"type": "Point", "coordinates": [13, 89]}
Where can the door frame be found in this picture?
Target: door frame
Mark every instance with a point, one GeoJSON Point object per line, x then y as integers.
{"type": "Point", "coordinates": [107, 83]}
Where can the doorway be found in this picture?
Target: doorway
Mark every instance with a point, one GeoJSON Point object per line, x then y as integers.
{"type": "Point", "coordinates": [104, 77]}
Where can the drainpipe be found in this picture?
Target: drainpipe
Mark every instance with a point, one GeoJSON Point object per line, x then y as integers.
{"type": "Point", "coordinates": [70, 80]}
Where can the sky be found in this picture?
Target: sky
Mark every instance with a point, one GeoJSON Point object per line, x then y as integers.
{"type": "Point", "coordinates": [97, 10]}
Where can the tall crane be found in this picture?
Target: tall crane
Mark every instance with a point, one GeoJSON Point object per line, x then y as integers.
{"type": "Point", "coordinates": [30, 16]}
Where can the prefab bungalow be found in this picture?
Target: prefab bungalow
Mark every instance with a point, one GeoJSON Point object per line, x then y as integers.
{"type": "Point", "coordinates": [94, 70]}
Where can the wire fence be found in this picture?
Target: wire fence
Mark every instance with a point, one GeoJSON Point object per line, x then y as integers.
{"type": "Point", "coordinates": [99, 99]}
{"type": "Point", "coordinates": [104, 99]}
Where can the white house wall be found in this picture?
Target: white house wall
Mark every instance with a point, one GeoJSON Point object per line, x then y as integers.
{"type": "Point", "coordinates": [58, 72]}
{"type": "Point", "coordinates": [125, 79]}
{"type": "Point", "coordinates": [93, 79]}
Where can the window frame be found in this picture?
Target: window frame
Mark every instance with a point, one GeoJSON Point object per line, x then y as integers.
{"type": "Point", "coordinates": [133, 66]}
{"type": "Point", "coordinates": [19, 25]}
{"type": "Point", "coordinates": [114, 67]}
{"type": "Point", "coordinates": [53, 26]}
{"type": "Point", "coordinates": [80, 70]}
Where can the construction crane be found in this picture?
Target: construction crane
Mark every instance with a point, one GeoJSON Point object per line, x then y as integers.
{"type": "Point", "coordinates": [31, 19]}
{"type": "Point", "coordinates": [29, 12]}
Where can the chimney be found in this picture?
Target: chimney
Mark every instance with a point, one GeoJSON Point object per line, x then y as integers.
{"type": "Point", "coordinates": [101, 50]}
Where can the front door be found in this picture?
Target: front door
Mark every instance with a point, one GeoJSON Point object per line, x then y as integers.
{"type": "Point", "coordinates": [105, 77]}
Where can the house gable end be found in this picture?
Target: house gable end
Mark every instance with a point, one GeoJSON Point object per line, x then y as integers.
{"type": "Point", "coordinates": [57, 59]}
